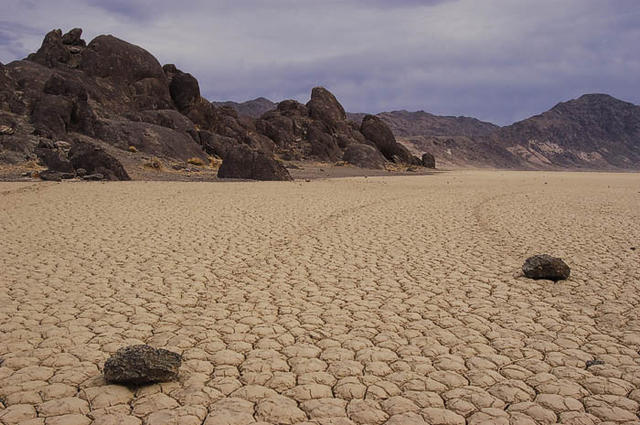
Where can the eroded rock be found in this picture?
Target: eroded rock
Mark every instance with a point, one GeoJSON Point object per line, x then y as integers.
{"type": "Point", "coordinates": [142, 364]}
{"type": "Point", "coordinates": [546, 267]}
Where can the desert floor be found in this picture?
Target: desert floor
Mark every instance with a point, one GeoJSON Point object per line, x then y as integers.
{"type": "Point", "coordinates": [343, 301]}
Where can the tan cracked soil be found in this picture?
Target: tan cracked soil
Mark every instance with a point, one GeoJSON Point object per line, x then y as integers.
{"type": "Point", "coordinates": [348, 301]}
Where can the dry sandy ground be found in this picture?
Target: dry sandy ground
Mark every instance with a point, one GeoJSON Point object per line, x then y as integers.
{"type": "Point", "coordinates": [345, 301]}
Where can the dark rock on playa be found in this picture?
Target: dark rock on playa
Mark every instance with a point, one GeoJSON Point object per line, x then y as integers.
{"type": "Point", "coordinates": [94, 160]}
{"type": "Point", "coordinates": [243, 162]}
{"type": "Point", "coordinates": [546, 267]}
{"type": "Point", "coordinates": [428, 160]}
{"type": "Point", "coordinates": [142, 364]}
{"type": "Point", "coordinates": [364, 156]}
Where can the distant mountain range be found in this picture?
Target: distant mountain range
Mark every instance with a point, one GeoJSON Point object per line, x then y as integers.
{"type": "Point", "coordinates": [251, 108]}
{"type": "Point", "coordinates": [595, 131]}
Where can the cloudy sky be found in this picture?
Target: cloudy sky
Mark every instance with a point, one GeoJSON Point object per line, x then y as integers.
{"type": "Point", "coordinates": [497, 60]}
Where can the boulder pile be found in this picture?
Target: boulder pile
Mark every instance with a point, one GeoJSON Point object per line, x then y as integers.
{"type": "Point", "coordinates": [112, 94]}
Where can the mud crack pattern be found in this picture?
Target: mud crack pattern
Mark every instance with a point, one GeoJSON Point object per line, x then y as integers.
{"type": "Point", "coordinates": [352, 301]}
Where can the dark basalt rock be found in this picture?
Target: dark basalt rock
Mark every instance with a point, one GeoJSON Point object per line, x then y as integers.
{"type": "Point", "coordinates": [428, 160]}
{"type": "Point", "coordinates": [184, 89]}
{"type": "Point", "coordinates": [52, 115]}
{"type": "Point", "coordinates": [243, 162]}
{"type": "Point", "coordinates": [325, 107]}
{"type": "Point", "coordinates": [379, 135]}
{"type": "Point", "coordinates": [59, 85]}
{"type": "Point", "coordinates": [149, 138]}
{"type": "Point", "coordinates": [364, 156]}
{"type": "Point", "coordinates": [142, 364]}
{"type": "Point", "coordinates": [323, 144]}
{"type": "Point", "coordinates": [109, 57]}
{"type": "Point", "coordinates": [291, 107]}
{"type": "Point", "coordinates": [215, 144]}
{"type": "Point", "coordinates": [74, 38]}
{"type": "Point", "coordinates": [55, 159]}
{"type": "Point", "coordinates": [52, 52]}
{"type": "Point", "coordinates": [95, 160]}
{"type": "Point", "coordinates": [546, 267]}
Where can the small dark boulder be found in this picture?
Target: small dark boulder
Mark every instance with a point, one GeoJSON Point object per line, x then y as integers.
{"type": "Point", "coordinates": [142, 364]}
{"type": "Point", "coordinates": [364, 156]}
{"type": "Point", "coordinates": [95, 160]}
{"type": "Point", "coordinates": [244, 162]}
{"type": "Point", "coordinates": [428, 160]}
{"type": "Point", "coordinates": [546, 267]}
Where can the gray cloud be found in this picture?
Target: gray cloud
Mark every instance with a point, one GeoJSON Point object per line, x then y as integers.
{"type": "Point", "coordinates": [497, 60]}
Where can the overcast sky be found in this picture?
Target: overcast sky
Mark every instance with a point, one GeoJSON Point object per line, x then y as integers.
{"type": "Point", "coordinates": [497, 60]}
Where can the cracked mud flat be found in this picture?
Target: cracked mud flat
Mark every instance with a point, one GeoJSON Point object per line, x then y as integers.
{"type": "Point", "coordinates": [348, 301]}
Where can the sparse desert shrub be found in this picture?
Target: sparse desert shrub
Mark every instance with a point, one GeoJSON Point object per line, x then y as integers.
{"type": "Point", "coordinates": [133, 149]}
{"type": "Point", "coordinates": [196, 161]}
{"type": "Point", "coordinates": [154, 163]}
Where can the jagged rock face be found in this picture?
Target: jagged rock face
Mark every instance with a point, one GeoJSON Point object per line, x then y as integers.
{"type": "Point", "coordinates": [324, 107]}
{"type": "Point", "coordinates": [364, 156]}
{"type": "Point", "coordinates": [380, 136]}
{"type": "Point", "coordinates": [243, 162]}
{"type": "Point", "coordinates": [52, 52]}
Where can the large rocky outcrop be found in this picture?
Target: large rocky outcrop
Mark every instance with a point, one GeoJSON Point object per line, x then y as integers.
{"type": "Point", "coordinates": [112, 93]}
{"type": "Point", "coordinates": [320, 130]}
